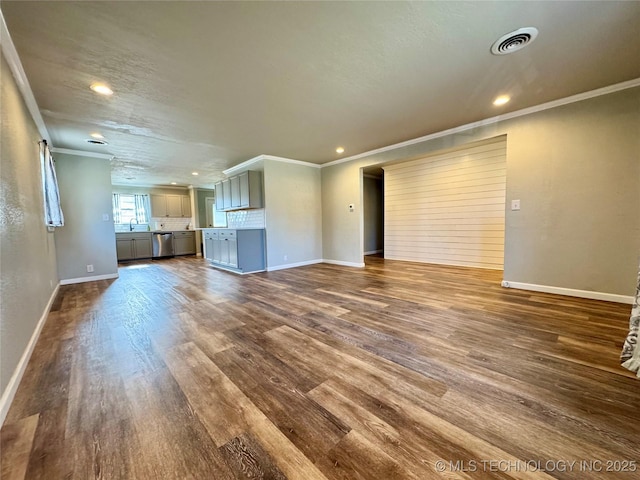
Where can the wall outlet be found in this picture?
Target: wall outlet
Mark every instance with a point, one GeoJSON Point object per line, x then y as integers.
{"type": "Point", "coordinates": [286, 257]}
{"type": "Point", "coordinates": [515, 204]}
{"type": "Point", "coordinates": [351, 207]}
{"type": "Point", "coordinates": [105, 217]}
{"type": "Point", "coordinates": [89, 268]}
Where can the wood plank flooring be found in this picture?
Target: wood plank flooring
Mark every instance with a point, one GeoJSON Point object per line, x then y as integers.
{"type": "Point", "coordinates": [396, 371]}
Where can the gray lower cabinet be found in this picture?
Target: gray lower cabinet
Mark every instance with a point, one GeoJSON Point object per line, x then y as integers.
{"type": "Point", "coordinates": [210, 236]}
{"type": "Point", "coordinates": [131, 246]}
{"type": "Point", "coordinates": [184, 243]}
{"type": "Point", "coordinates": [241, 251]}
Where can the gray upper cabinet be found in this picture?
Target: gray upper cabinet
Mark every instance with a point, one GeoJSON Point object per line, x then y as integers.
{"type": "Point", "coordinates": [235, 191]}
{"type": "Point", "coordinates": [240, 192]}
{"type": "Point", "coordinates": [226, 194]}
{"type": "Point", "coordinates": [175, 206]}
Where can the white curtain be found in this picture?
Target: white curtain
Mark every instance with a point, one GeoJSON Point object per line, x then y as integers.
{"type": "Point", "coordinates": [52, 210]}
{"type": "Point", "coordinates": [117, 217]}
{"type": "Point", "coordinates": [630, 357]}
{"type": "Point", "coordinates": [141, 202]}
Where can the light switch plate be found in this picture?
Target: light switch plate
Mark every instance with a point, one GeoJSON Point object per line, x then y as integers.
{"type": "Point", "coordinates": [515, 204]}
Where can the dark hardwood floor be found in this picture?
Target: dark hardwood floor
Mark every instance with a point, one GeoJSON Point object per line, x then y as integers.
{"type": "Point", "coordinates": [398, 370]}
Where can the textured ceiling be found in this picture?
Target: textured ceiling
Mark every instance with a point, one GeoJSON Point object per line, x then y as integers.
{"type": "Point", "coordinates": [206, 85]}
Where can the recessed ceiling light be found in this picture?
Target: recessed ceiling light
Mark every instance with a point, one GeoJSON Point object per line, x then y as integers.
{"type": "Point", "coordinates": [501, 100]}
{"type": "Point", "coordinates": [340, 150]}
{"type": "Point", "coordinates": [96, 141]}
{"type": "Point", "coordinates": [194, 173]}
{"type": "Point", "coordinates": [101, 88]}
{"type": "Point", "coordinates": [173, 183]}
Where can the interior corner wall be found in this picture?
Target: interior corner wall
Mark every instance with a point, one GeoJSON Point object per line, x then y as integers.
{"type": "Point", "coordinates": [85, 239]}
{"type": "Point", "coordinates": [576, 170]}
{"type": "Point", "coordinates": [293, 213]}
{"type": "Point", "coordinates": [27, 251]}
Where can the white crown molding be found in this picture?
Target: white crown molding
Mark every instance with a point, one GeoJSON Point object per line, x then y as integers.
{"type": "Point", "coordinates": [81, 153]}
{"type": "Point", "coordinates": [10, 53]}
{"type": "Point", "coordinates": [241, 167]}
{"type": "Point", "coordinates": [500, 118]}
{"type": "Point", "coordinates": [607, 297]}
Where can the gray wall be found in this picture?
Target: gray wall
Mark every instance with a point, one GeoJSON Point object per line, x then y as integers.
{"type": "Point", "coordinates": [373, 213]}
{"type": "Point", "coordinates": [85, 194]}
{"type": "Point", "coordinates": [201, 202]}
{"type": "Point", "coordinates": [27, 250]}
{"type": "Point", "coordinates": [293, 213]}
{"type": "Point", "coordinates": [576, 170]}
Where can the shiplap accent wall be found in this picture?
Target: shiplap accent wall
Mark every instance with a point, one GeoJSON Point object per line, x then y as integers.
{"type": "Point", "coordinates": [448, 208]}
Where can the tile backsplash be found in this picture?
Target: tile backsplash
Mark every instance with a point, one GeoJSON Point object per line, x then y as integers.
{"type": "Point", "coordinates": [238, 219]}
{"type": "Point", "coordinates": [246, 219]}
{"type": "Point", "coordinates": [170, 224]}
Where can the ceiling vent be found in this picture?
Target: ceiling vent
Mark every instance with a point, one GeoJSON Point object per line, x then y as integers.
{"type": "Point", "coordinates": [94, 141]}
{"type": "Point", "coordinates": [514, 41]}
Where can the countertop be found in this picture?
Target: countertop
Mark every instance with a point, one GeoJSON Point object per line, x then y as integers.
{"type": "Point", "coordinates": [156, 231]}
{"type": "Point", "coordinates": [230, 228]}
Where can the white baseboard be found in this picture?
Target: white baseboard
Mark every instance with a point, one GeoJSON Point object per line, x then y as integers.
{"type": "Point", "coordinates": [70, 281]}
{"type": "Point", "coordinates": [294, 265]}
{"type": "Point", "coordinates": [344, 264]}
{"type": "Point", "coordinates": [12, 387]}
{"type": "Point", "coordinates": [373, 252]}
{"type": "Point", "coordinates": [607, 297]}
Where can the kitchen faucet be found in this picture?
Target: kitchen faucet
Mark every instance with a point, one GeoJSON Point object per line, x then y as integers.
{"type": "Point", "coordinates": [131, 224]}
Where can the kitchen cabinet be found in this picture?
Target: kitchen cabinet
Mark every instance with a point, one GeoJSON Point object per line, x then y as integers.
{"type": "Point", "coordinates": [174, 206]}
{"type": "Point", "coordinates": [240, 192]}
{"type": "Point", "coordinates": [184, 243]}
{"type": "Point", "coordinates": [186, 205]}
{"type": "Point", "coordinates": [210, 236]}
{"type": "Point", "coordinates": [235, 191]}
{"type": "Point", "coordinates": [131, 246]}
{"type": "Point", "coordinates": [241, 251]}
{"type": "Point", "coordinates": [226, 194]}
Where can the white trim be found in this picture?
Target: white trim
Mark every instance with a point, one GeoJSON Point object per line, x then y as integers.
{"type": "Point", "coordinates": [607, 297]}
{"type": "Point", "coordinates": [507, 116]}
{"type": "Point", "coordinates": [373, 252]}
{"type": "Point", "coordinates": [293, 265]}
{"type": "Point", "coordinates": [14, 382]}
{"type": "Point", "coordinates": [82, 153]}
{"type": "Point", "coordinates": [107, 276]}
{"type": "Point", "coordinates": [241, 167]}
{"type": "Point", "coordinates": [15, 65]}
{"type": "Point", "coordinates": [344, 264]}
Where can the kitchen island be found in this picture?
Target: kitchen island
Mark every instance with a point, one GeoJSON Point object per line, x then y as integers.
{"type": "Point", "coordinates": [236, 250]}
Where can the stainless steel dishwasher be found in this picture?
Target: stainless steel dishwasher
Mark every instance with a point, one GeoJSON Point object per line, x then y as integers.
{"type": "Point", "coordinates": [162, 244]}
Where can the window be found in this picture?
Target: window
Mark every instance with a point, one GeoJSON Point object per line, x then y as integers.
{"type": "Point", "coordinates": [52, 210]}
{"type": "Point", "coordinates": [129, 208]}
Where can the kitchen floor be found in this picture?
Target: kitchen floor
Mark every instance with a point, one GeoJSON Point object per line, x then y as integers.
{"type": "Point", "coordinates": [399, 370]}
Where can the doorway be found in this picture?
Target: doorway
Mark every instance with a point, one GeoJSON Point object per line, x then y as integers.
{"type": "Point", "coordinates": [373, 211]}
